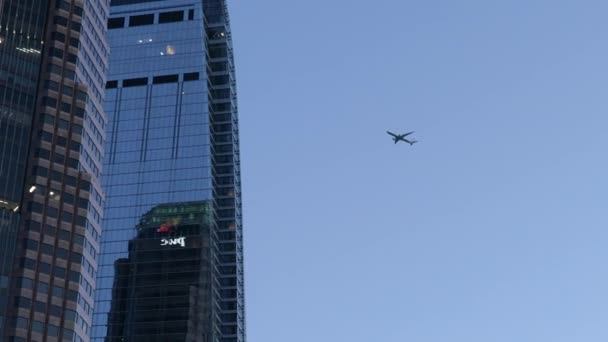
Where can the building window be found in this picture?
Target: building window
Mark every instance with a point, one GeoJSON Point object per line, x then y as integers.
{"type": "Point", "coordinates": [75, 26]}
{"type": "Point", "coordinates": [77, 129]}
{"type": "Point", "coordinates": [79, 112]}
{"type": "Point", "coordinates": [43, 287]}
{"type": "Point", "coordinates": [44, 267]}
{"type": "Point", "coordinates": [134, 82]}
{"type": "Point", "coordinates": [71, 58]}
{"type": "Point", "coordinates": [39, 306]}
{"type": "Point", "coordinates": [58, 36]}
{"type": "Point", "coordinates": [219, 66]}
{"type": "Point", "coordinates": [68, 334]}
{"type": "Point", "coordinates": [70, 315]}
{"type": "Point", "coordinates": [22, 302]}
{"type": "Point", "coordinates": [59, 272]}
{"type": "Point", "coordinates": [52, 330]}
{"type": "Point", "coordinates": [73, 163]}
{"type": "Point", "coordinates": [46, 136]}
{"type": "Point", "coordinates": [64, 235]}
{"type": "Point", "coordinates": [55, 310]}
{"type": "Point", "coordinates": [31, 245]}
{"type": "Point", "coordinates": [63, 124]}
{"type": "Point", "coordinates": [25, 283]}
{"type": "Point", "coordinates": [165, 79]}
{"type": "Point", "coordinates": [62, 4]}
{"type": "Point", "coordinates": [78, 239]}
{"type": "Point", "coordinates": [62, 252]}
{"type": "Point", "coordinates": [61, 21]}
{"type": "Point", "coordinates": [67, 90]}
{"type": "Point", "coordinates": [66, 107]}
{"type": "Point", "coordinates": [74, 42]}
{"type": "Point", "coordinates": [54, 52]}
{"type": "Point", "coordinates": [38, 326]}
{"type": "Point", "coordinates": [140, 20]}
{"type": "Point", "coordinates": [57, 292]}
{"type": "Point", "coordinates": [66, 217]}
{"type": "Point", "coordinates": [170, 17]}
{"type": "Point", "coordinates": [45, 248]}
{"type": "Point", "coordinates": [48, 101]}
{"type": "Point", "coordinates": [85, 185]}
{"type": "Point", "coordinates": [21, 323]}
{"type": "Point", "coordinates": [191, 76]}
{"type": "Point", "coordinates": [114, 23]}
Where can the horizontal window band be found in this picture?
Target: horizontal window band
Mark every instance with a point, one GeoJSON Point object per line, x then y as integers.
{"type": "Point", "coordinates": [141, 81]}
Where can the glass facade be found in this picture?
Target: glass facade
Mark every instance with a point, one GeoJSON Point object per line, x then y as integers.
{"type": "Point", "coordinates": [20, 62]}
{"type": "Point", "coordinates": [53, 57]}
{"type": "Point", "coordinates": [171, 265]}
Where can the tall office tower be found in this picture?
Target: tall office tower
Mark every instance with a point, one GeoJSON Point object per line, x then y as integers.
{"type": "Point", "coordinates": [171, 267]}
{"type": "Point", "coordinates": [53, 57]}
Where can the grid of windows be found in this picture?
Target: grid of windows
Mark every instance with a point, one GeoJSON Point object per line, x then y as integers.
{"type": "Point", "coordinates": [226, 171]}
{"type": "Point", "coordinates": [61, 204]}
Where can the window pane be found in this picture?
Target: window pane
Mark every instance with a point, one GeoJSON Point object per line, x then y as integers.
{"type": "Point", "coordinates": [139, 20]}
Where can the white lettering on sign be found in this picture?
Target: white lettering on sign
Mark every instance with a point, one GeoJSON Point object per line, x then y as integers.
{"type": "Point", "coordinates": [172, 242]}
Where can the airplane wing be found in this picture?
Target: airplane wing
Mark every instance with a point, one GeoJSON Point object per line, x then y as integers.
{"type": "Point", "coordinates": [392, 134]}
{"type": "Point", "coordinates": [408, 133]}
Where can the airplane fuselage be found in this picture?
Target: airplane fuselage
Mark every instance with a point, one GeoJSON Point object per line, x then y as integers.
{"type": "Point", "coordinates": [401, 137]}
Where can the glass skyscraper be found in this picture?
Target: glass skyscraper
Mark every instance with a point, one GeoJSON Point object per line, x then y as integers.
{"type": "Point", "coordinates": [53, 62]}
{"type": "Point", "coordinates": [171, 267]}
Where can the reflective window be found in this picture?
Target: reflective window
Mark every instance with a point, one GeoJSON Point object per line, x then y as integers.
{"type": "Point", "coordinates": [170, 17]}
{"type": "Point", "coordinates": [139, 20]}
{"type": "Point", "coordinates": [116, 23]}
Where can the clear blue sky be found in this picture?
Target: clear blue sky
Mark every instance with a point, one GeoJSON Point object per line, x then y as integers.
{"type": "Point", "coordinates": [494, 228]}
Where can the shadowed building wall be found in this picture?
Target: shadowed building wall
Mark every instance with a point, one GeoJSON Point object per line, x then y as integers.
{"type": "Point", "coordinates": [53, 61]}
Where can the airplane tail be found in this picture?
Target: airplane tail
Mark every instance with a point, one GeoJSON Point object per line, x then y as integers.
{"type": "Point", "coordinates": [413, 142]}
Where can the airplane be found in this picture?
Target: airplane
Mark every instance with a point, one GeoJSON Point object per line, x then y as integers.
{"type": "Point", "coordinates": [401, 137]}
